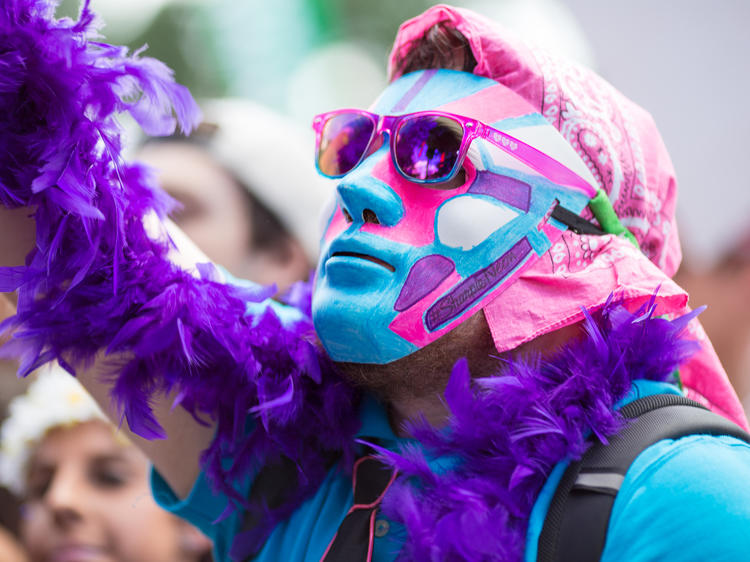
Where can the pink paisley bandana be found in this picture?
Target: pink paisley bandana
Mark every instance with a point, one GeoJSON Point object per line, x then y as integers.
{"type": "Point", "coordinates": [619, 143]}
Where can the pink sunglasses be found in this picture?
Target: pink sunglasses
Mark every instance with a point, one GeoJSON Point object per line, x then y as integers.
{"type": "Point", "coordinates": [426, 146]}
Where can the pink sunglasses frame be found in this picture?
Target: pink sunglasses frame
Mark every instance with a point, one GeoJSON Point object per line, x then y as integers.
{"type": "Point", "coordinates": [472, 129]}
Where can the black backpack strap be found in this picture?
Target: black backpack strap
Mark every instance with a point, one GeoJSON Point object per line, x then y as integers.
{"type": "Point", "coordinates": [271, 488]}
{"type": "Point", "coordinates": [576, 524]}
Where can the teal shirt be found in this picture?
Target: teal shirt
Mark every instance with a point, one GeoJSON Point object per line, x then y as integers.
{"type": "Point", "coordinates": [686, 499]}
{"type": "Point", "coordinates": [307, 533]}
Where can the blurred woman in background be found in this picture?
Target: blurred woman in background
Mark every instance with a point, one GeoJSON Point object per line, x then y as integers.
{"type": "Point", "coordinates": [85, 487]}
{"type": "Point", "coordinates": [248, 191]}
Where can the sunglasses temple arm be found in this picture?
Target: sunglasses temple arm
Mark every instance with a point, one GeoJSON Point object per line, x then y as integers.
{"type": "Point", "coordinates": [575, 222]}
{"type": "Point", "coordinates": [603, 212]}
{"type": "Point", "coordinates": [599, 204]}
{"type": "Point", "coordinates": [579, 225]}
{"type": "Point", "coordinates": [539, 161]}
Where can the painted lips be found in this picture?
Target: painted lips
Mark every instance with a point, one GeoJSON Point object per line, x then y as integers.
{"type": "Point", "coordinates": [372, 259]}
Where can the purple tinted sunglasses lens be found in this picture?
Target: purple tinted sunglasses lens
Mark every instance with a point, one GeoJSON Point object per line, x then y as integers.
{"type": "Point", "coordinates": [427, 147]}
{"type": "Point", "coordinates": [343, 141]}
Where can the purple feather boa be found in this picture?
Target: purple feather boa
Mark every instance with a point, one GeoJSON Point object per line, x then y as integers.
{"type": "Point", "coordinates": [97, 281]}
{"type": "Point", "coordinates": [508, 431]}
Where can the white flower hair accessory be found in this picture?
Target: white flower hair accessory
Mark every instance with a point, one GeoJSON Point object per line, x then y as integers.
{"type": "Point", "coordinates": [54, 399]}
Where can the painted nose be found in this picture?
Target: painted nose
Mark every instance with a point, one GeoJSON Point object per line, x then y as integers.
{"type": "Point", "coordinates": [365, 199]}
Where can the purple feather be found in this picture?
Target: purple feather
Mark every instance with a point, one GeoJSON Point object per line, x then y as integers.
{"type": "Point", "coordinates": [507, 432]}
{"type": "Point", "coordinates": [97, 281]}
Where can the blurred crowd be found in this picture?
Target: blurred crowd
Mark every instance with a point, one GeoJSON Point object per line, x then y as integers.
{"type": "Point", "coordinates": [250, 199]}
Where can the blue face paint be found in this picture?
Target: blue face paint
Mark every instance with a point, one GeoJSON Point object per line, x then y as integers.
{"type": "Point", "coordinates": [403, 263]}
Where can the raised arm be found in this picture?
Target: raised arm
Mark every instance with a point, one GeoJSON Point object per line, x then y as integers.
{"type": "Point", "coordinates": [177, 455]}
{"type": "Point", "coordinates": [171, 350]}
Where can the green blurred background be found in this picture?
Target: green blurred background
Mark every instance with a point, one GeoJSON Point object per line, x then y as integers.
{"type": "Point", "coordinates": [298, 56]}
{"type": "Point", "coordinates": [251, 48]}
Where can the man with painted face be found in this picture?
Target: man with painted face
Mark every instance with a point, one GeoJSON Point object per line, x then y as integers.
{"type": "Point", "coordinates": [493, 286]}
{"type": "Point", "coordinates": [423, 236]}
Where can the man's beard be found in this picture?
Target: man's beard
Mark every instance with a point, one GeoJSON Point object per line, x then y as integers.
{"type": "Point", "coordinates": [425, 372]}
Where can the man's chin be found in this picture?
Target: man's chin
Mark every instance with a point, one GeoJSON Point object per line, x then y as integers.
{"type": "Point", "coordinates": [397, 380]}
{"type": "Point", "coordinates": [354, 328]}
{"type": "Point", "coordinates": [426, 371]}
